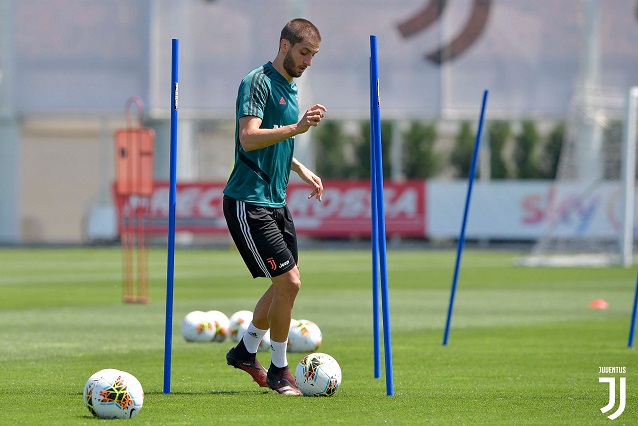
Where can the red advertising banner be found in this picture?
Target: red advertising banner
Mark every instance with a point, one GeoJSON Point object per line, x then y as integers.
{"type": "Point", "coordinates": [344, 211]}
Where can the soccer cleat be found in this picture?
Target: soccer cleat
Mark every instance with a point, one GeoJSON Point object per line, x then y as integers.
{"type": "Point", "coordinates": [250, 366]}
{"type": "Point", "coordinates": [283, 382]}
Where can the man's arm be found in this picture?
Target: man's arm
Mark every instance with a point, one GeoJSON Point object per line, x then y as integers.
{"type": "Point", "coordinates": [252, 137]}
{"type": "Point", "coordinates": [309, 177]}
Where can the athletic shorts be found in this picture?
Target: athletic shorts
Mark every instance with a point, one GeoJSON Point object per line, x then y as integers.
{"type": "Point", "coordinates": [264, 236]}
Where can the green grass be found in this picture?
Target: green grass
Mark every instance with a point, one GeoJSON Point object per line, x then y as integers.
{"type": "Point", "coordinates": [525, 346]}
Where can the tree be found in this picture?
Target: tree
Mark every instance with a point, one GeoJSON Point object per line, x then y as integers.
{"type": "Point", "coordinates": [420, 160]}
{"type": "Point", "coordinates": [525, 158]}
{"type": "Point", "coordinates": [330, 143]}
{"type": "Point", "coordinates": [461, 157]}
{"type": "Point", "coordinates": [362, 150]}
{"type": "Point", "coordinates": [551, 153]}
{"type": "Point", "coordinates": [499, 131]}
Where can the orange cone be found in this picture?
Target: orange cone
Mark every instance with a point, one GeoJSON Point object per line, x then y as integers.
{"type": "Point", "coordinates": [599, 304]}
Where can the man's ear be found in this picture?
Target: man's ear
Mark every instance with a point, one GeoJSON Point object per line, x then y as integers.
{"type": "Point", "coordinates": [284, 45]}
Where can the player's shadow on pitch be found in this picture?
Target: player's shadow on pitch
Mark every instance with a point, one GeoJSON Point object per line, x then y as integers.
{"type": "Point", "coordinates": [213, 392]}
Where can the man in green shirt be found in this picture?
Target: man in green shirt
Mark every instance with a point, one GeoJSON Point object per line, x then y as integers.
{"type": "Point", "coordinates": [259, 222]}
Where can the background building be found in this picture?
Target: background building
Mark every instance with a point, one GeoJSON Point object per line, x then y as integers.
{"type": "Point", "coordinates": [68, 67]}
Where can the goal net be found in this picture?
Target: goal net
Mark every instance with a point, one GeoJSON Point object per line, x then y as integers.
{"type": "Point", "coordinates": [589, 219]}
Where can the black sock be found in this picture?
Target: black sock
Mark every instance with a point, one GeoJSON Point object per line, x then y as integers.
{"type": "Point", "coordinates": [241, 350]}
{"type": "Point", "coordinates": [274, 369]}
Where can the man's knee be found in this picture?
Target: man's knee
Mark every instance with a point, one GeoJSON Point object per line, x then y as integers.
{"type": "Point", "coordinates": [289, 283]}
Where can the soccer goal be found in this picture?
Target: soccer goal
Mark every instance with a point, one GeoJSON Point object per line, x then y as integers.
{"type": "Point", "coordinates": [590, 220]}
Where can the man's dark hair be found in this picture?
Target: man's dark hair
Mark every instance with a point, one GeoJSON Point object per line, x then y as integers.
{"type": "Point", "coordinates": [300, 29]}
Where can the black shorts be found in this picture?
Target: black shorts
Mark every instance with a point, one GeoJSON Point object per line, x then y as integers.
{"type": "Point", "coordinates": [264, 236]}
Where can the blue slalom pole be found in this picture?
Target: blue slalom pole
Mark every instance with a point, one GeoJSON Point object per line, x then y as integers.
{"type": "Point", "coordinates": [632, 328]}
{"type": "Point", "coordinates": [375, 242]}
{"type": "Point", "coordinates": [378, 170]}
{"type": "Point", "coordinates": [172, 195]}
{"type": "Point", "coordinates": [461, 243]}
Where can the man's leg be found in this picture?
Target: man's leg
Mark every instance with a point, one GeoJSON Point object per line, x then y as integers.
{"type": "Point", "coordinates": [260, 314]}
{"type": "Point", "coordinates": [284, 292]}
{"type": "Point", "coordinates": [244, 354]}
{"type": "Point", "coordinates": [258, 327]}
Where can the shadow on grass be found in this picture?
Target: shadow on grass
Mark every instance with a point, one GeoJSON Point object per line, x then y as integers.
{"type": "Point", "coordinates": [212, 392]}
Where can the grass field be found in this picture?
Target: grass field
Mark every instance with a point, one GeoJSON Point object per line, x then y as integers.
{"type": "Point", "coordinates": [525, 346]}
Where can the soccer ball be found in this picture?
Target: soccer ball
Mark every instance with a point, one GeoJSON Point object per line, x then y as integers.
{"type": "Point", "coordinates": [303, 336]}
{"type": "Point", "coordinates": [113, 394]}
{"type": "Point", "coordinates": [88, 387]}
{"type": "Point", "coordinates": [238, 323]}
{"type": "Point", "coordinates": [221, 323]}
{"type": "Point", "coordinates": [198, 327]}
{"type": "Point", "coordinates": [318, 374]}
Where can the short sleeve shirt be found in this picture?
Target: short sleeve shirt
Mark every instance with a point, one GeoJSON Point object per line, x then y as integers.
{"type": "Point", "coordinates": [260, 176]}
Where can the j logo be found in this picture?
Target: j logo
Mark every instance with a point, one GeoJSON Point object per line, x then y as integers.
{"type": "Point", "coordinates": [612, 396]}
{"type": "Point", "coordinates": [431, 13]}
{"type": "Point", "coordinates": [273, 264]}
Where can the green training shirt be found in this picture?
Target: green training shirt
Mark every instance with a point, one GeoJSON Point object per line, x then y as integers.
{"type": "Point", "coordinates": [260, 177]}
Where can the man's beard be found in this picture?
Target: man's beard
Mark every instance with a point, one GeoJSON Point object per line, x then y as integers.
{"type": "Point", "coordinates": [290, 66]}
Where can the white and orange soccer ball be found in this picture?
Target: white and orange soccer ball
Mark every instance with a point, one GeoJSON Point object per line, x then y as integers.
{"type": "Point", "coordinates": [197, 326]}
{"type": "Point", "coordinates": [238, 323]}
{"type": "Point", "coordinates": [304, 336]}
{"type": "Point", "coordinates": [318, 374]}
{"type": "Point", "coordinates": [221, 323]}
{"type": "Point", "coordinates": [113, 394]}
{"type": "Point", "coordinates": [88, 387]}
